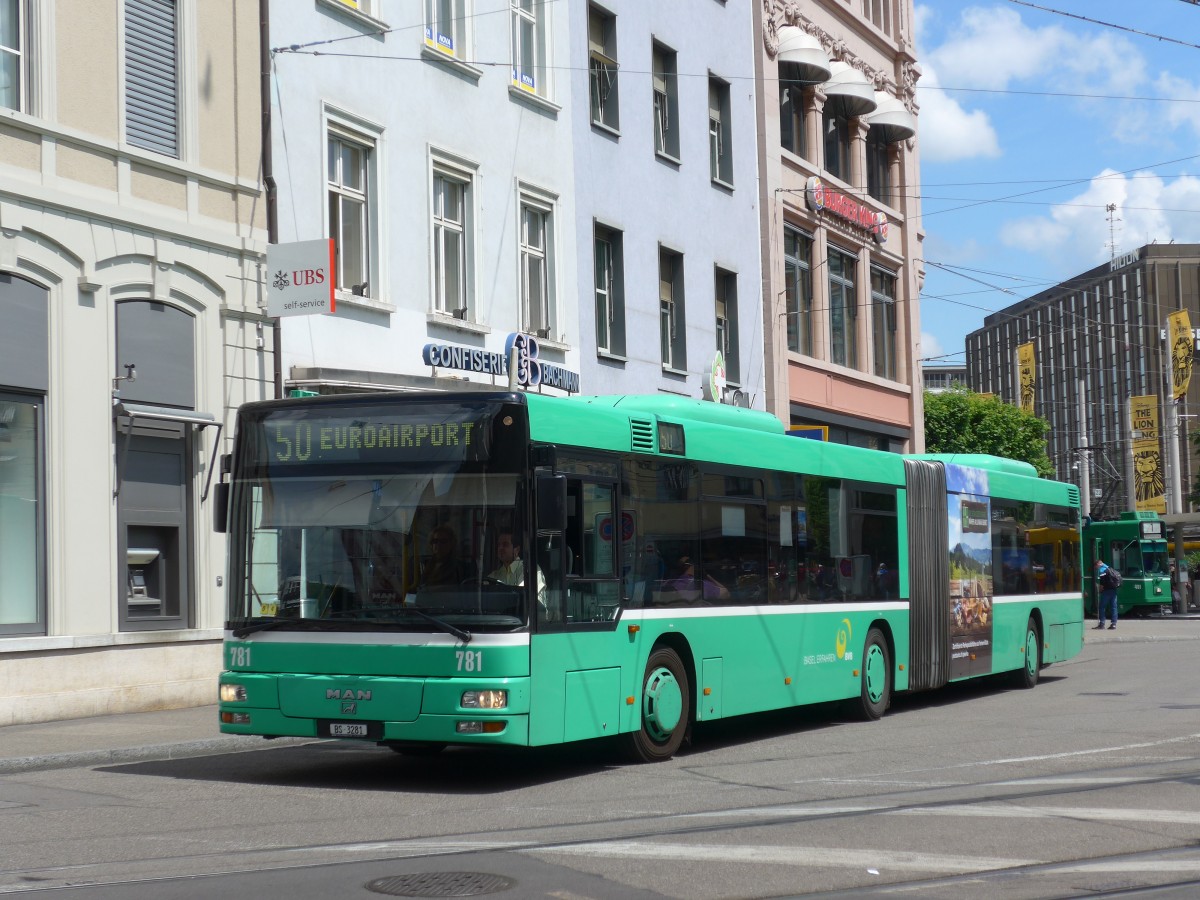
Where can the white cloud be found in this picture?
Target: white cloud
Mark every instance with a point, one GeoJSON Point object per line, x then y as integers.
{"type": "Point", "coordinates": [993, 48]}
{"type": "Point", "coordinates": [949, 133]}
{"type": "Point", "coordinates": [1167, 85]}
{"type": "Point", "coordinates": [930, 346]}
{"type": "Point", "coordinates": [1075, 234]}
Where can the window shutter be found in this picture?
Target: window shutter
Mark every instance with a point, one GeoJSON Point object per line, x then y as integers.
{"type": "Point", "coordinates": [151, 76]}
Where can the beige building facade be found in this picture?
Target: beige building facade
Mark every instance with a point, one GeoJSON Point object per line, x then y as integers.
{"type": "Point", "coordinates": [131, 229]}
{"type": "Point", "coordinates": [839, 200]}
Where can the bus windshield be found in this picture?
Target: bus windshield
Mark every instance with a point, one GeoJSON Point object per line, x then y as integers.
{"type": "Point", "coordinates": [426, 550]}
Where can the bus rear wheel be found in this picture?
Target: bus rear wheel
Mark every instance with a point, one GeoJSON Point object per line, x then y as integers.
{"type": "Point", "coordinates": [1026, 677]}
{"type": "Point", "coordinates": [666, 704]}
{"type": "Point", "coordinates": [876, 693]}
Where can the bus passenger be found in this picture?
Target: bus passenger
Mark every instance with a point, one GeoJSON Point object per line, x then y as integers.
{"type": "Point", "coordinates": [689, 587]}
{"type": "Point", "coordinates": [444, 568]}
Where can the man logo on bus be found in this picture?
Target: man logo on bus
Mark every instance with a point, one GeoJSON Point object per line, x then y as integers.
{"type": "Point", "coordinates": [843, 638]}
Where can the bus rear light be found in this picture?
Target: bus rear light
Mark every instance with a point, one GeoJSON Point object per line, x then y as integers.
{"type": "Point", "coordinates": [230, 718]}
{"type": "Point", "coordinates": [233, 693]}
{"type": "Point", "coordinates": [484, 699]}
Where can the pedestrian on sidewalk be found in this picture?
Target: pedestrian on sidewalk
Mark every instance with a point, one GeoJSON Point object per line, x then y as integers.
{"type": "Point", "coordinates": [1107, 586]}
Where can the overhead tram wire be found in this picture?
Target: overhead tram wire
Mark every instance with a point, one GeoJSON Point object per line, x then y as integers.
{"type": "Point", "coordinates": [1059, 12]}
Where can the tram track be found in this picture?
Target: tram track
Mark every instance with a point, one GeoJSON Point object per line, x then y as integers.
{"type": "Point", "coordinates": [730, 823]}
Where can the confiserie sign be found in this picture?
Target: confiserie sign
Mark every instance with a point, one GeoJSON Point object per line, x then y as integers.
{"type": "Point", "coordinates": [825, 198]}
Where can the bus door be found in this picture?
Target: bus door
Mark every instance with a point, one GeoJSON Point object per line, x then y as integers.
{"type": "Point", "coordinates": [578, 674]}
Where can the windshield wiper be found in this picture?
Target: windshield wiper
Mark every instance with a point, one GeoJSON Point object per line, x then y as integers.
{"type": "Point", "coordinates": [267, 624]}
{"type": "Point", "coordinates": [460, 633]}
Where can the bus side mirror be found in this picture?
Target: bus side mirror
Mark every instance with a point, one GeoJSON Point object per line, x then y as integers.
{"type": "Point", "coordinates": [551, 502]}
{"type": "Point", "coordinates": [220, 509]}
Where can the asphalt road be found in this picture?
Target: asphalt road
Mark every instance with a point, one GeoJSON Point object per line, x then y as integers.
{"type": "Point", "coordinates": [1088, 784]}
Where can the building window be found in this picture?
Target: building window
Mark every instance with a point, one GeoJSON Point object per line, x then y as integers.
{"type": "Point", "coordinates": [725, 293]}
{"type": "Point", "coordinates": [22, 511]}
{"type": "Point", "coordinates": [720, 149]}
{"type": "Point", "coordinates": [666, 101]}
{"type": "Point", "coordinates": [13, 62]}
{"type": "Point", "coordinates": [797, 273]}
{"type": "Point", "coordinates": [792, 135]}
{"type": "Point", "coordinates": [878, 12]}
{"type": "Point", "coordinates": [446, 26]}
{"type": "Point", "coordinates": [671, 319]}
{"type": "Point", "coordinates": [24, 382]}
{"type": "Point", "coordinates": [837, 145]}
{"type": "Point", "coordinates": [610, 297]}
{"type": "Point", "coordinates": [602, 67]}
{"type": "Point", "coordinates": [152, 76]}
{"type": "Point", "coordinates": [883, 322]}
{"type": "Point", "coordinates": [529, 72]}
{"type": "Point", "coordinates": [843, 310]}
{"type": "Point", "coordinates": [350, 199]}
{"type": "Point", "coordinates": [367, 7]}
{"type": "Point", "coordinates": [451, 244]}
{"type": "Point", "coordinates": [879, 172]}
{"type": "Point", "coordinates": [538, 314]}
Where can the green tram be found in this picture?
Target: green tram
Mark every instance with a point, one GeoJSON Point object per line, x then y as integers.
{"type": "Point", "coordinates": [1136, 544]}
{"type": "Point", "coordinates": [685, 562]}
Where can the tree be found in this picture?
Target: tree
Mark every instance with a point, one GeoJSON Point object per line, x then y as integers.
{"type": "Point", "coordinates": [961, 421]}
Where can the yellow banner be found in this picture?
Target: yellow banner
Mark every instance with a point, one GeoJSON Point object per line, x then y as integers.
{"type": "Point", "coordinates": [1148, 482]}
{"type": "Point", "coordinates": [1027, 366]}
{"type": "Point", "coordinates": [1182, 348]}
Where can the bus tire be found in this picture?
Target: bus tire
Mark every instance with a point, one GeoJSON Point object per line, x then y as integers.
{"type": "Point", "coordinates": [665, 705]}
{"type": "Point", "coordinates": [1026, 677]}
{"type": "Point", "coordinates": [876, 693]}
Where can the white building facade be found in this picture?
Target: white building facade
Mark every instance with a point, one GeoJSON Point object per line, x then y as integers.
{"type": "Point", "coordinates": [131, 227]}
{"type": "Point", "coordinates": [665, 195]}
{"type": "Point", "coordinates": [432, 142]}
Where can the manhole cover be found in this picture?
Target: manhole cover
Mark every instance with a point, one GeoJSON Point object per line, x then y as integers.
{"type": "Point", "coordinates": [441, 884]}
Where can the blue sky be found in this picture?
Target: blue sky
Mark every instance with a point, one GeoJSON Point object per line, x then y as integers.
{"type": "Point", "coordinates": [1017, 169]}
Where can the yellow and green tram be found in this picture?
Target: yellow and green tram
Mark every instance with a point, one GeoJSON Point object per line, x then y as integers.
{"type": "Point", "coordinates": [478, 568]}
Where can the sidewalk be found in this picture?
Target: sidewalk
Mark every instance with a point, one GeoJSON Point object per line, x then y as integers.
{"type": "Point", "coordinates": [130, 737]}
{"type": "Point", "coordinates": [179, 733]}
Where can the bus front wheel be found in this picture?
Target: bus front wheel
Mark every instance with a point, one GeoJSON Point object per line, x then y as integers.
{"type": "Point", "coordinates": [876, 693]}
{"type": "Point", "coordinates": [666, 704]}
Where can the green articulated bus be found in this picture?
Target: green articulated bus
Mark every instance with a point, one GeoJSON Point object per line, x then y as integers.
{"type": "Point", "coordinates": [491, 568]}
{"type": "Point", "coordinates": [1136, 544]}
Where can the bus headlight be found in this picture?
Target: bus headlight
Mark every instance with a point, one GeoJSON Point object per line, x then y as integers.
{"type": "Point", "coordinates": [484, 699]}
{"type": "Point", "coordinates": [233, 693]}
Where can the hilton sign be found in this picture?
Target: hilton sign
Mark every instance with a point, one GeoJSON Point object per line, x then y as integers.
{"type": "Point", "coordinates": [823, 198]}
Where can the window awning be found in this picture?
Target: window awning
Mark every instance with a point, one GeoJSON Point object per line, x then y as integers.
{"type": "Point", "coordinates": [164, 413]}
{"type": "Point", "coordinates": [135, 411]}
{"type": "Point", "coordinates": [801, 58]}
{"type": "Point", "coordinates": [892, 118]}
{"type": "Point", "coordinates": [848, 92]}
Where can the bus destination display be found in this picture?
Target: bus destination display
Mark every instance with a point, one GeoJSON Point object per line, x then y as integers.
{"type": "Point", "coordinates": [454, 436]}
